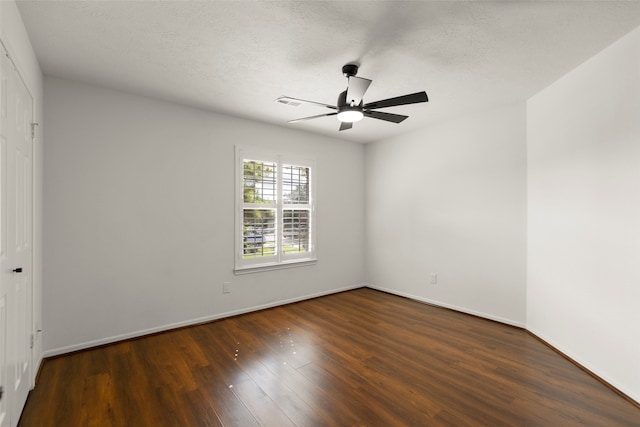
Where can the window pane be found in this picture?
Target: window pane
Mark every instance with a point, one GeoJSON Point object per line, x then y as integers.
{"type": "Point", "coordinates": [295, 233]}
{"type": "Point", "coordinates": [295, 184]}
{"type": "Point", "coordinates": [259, 233]}
{"type": "Point", "coordinates": [259, 182]}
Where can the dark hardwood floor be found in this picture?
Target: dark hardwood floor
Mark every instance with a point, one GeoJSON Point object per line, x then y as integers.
{"type": "Point", "coordinates": [358, 358]}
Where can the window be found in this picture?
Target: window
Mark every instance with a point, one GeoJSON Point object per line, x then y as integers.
{"type": "Point", "coordinates": [275, 214]}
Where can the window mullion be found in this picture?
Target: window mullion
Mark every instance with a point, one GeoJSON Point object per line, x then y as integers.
{"type": "Point", "coordinates": [296, 206]}
{"type": "Point", "coordinates": [259, 205]}
{"type": "Point", "coordinates": [279, 220]}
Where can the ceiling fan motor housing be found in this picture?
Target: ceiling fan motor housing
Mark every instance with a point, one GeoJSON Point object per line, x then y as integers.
{"type": "Point", "coordinates": [342, 102]}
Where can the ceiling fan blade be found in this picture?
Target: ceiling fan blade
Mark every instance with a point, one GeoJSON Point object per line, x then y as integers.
{"type": "Point", "coordinates": [345, 125]}
{"type": "Point", "coordinates": [356, 90]}
{"type": "Point", "coordinates": [295, 102]}
{"type": "Point", "coordinates": [395, 118]}
{"type": "Point", "coordinates": [413, 98]}
{"type": "Point", "coordinates": [311, 117]}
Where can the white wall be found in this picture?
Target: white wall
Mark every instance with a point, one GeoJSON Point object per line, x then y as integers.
{"type": "Point", "coordinates": [583, 292]}
{"type": "Point", "coordinates": [15, 38]}
{"type": "Point", "coordinates": [139, 217]}
{"type": "Point", "coordinates": [451, 200]}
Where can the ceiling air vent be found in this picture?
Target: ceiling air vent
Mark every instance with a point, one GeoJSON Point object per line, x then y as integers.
{"type": "Point", "coordinates": [288, 101]}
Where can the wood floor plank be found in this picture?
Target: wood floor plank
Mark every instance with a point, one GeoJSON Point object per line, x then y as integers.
{"type": "Point", "coordinates": [230, 410]}
{"type": "Point", "coordinates": [97, 388]}
{"type": "Point", "coordinates": [357, 358]}
{"type": "Point", "coordinates": [199, 411]}
{"type": "Point", "coordinates": [265, 410]}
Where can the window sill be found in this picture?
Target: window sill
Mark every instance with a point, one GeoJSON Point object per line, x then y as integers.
{"type": "Point", "coordinates": [275, 266]}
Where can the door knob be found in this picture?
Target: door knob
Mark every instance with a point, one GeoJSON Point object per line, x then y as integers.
{"type": "Point", "coordinates": [17, 270]}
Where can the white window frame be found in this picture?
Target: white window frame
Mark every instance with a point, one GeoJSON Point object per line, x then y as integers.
{"type": "Point", "coordinates": [280, 259]}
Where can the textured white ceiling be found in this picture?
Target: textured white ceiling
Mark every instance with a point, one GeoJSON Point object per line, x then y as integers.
{"type": "Point", "coordinates": [236, 57]}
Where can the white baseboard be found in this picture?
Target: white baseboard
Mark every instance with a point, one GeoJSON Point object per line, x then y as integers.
{"type": "Point", "coordinates": [629, 393]}
{"type": "Point", "coordinates": [586, 365]}
{"type": "Point", "coordinates": [449, 306]}
{"type": "Point", "coordinates": [109, 340]}
{"type": "Point", "coordinates": [36, 370]}
{"type": "Point", "coordinates": [89, 344]}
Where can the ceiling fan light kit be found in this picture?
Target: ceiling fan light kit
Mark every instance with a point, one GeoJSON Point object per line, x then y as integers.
{"type": "Point", "coordinates": [350, 114]}
{"type": "Point", "coordinates": [350, 107]}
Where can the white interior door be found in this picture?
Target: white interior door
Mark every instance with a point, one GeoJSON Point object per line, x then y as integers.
{"type": "Point", "coordinates": [4, 285]}
{"type": "Point", "coordinates": [15, 242]}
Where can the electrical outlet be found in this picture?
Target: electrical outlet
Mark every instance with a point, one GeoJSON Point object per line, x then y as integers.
{"type": "Point", "coordinates": [226, 287]}
{"type": "Point", "coordinates": [434, 279]}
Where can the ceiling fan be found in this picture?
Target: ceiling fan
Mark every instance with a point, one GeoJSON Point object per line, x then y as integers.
{"type": "Point", "coordinates": [350, 107]}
